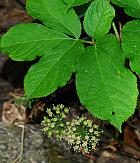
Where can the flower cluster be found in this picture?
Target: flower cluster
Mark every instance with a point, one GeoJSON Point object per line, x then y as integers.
{"type": "Point", "coordinates": [81, 134]}
{"type": "Point", "coordinates": [54, 123]}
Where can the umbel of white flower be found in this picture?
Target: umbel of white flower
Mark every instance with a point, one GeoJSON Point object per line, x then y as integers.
{"type": "Point", "coordinates": [80, 133]}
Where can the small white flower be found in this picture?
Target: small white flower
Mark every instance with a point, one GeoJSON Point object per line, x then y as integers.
{"type": "Point", "coordinates": [85, 123]}
{"type": "Point", "coordinates": [78, 142]}
{"type": "Point", "coordinates": [63, 115]}
{"type": "Point", "coordinates": [61, 106]}
{"type": "Point", "coordinates": [66, 110]}
{"type": "Point", "coordinates": [84, 144]}
{"type": "Point", "coordinates": [73, 136]}
{"type": "Point", "coordinates": [77, 122]}
{"type": "Point", "coordinates": [86, 137]}
{"type": "Point", "coordinates": [48, 120]}
{"type": "Point", "coordinates": [91, 130]}
{"type": "Point", "coordinates": [82, 118]}
{"type": "Point", "coordinates": [89, 123]}
{"type": "Point", "coordinates": [95, 126]}
{"type": "Point", "coordinates": [68, 123]}
{"type": "Point", "coordinates": [72, 124]}
{"type": "Point", "coordinates": [71, 141]}
{"type": "Point", "coordinates": [96, 133]}
{"type": "Point", "coordinates": [49, 112]}
{"type": "Point", "coordinates": [74, 128]}
{"type": "Point", "coordinates": [79, 138]}
{"type": "Point", "coordinates": [52, 125]}
{"type": "Point", "coordinates": [76, 147]}
{"type": "Point", "coordinates": [93, 138]}
{"type": "Point", "coordinates": [61, 124]}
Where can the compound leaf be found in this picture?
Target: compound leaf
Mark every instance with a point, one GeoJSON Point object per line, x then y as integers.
{"type": "Point", "coordinates": [131, 7]}
{"type": "Point", "coordinates": [54, 14]}
{"type": "Point", "coordinates": [98, 18]}
{"type": "Point", "coordinates": [104, 85]}
{"type": "Point", "coordinates": [72, 3]}
{"type": "Point", "coordinates": [24, 42]}
{"type": "Point", "coordinates": [53, 70]}
{"type": "Point", "coordinates": [131, 43]}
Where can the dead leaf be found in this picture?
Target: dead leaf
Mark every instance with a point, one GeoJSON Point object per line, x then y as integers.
{"type": "Point", "coordinates": [13, 114]}
{"type": "Point", "coordinates": [110, 148]}
{"type": "Point", "coordinates": [131, 138]}
{"type": "Point", "coordinates": [106, 156]}
{"type": "Point", "coordinates": [36, 111]}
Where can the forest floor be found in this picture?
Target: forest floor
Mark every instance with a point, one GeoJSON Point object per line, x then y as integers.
{"type": "Point", "coordinates": [113, 147]}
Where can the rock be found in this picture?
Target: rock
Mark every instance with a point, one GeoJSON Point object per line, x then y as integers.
{"type": "Point", "coordinates": [37, 147]}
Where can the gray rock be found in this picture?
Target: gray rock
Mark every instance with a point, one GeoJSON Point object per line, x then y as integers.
{"type": "Point", "coordinates": [37, 147]}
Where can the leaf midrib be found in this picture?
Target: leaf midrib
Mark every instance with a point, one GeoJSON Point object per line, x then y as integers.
{"type": "Point", "coordinates": [54, 65]}
{"type": "Point", "coordinates": [63, 24]}
{"type": "Point", "coordinates": [73, 34]}
{"type": "Point", "coordinates": [102, 78]}
{"type": "Point", "coordinates": [94, 31]}
{"type": "Point", "coordinates": [27, 42]}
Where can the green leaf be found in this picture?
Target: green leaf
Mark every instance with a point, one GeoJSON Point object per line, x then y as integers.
{"type": "Point", "coordinates": [53, 70]}
{"type": "Point", "coordinates": [72, 3]}
{"type": "Point", "coordinates": [25, 42]}
{"type": "Point", "coordinates": [98, 18]}
{"type": "Point", "coordinates": [131, 43]}
{"type": "Point", "coordinates": [104, 85]}
{"type": "Point", "coordinates": [131, 7]}
{"type": "Point", "coordinates": [53, 13]}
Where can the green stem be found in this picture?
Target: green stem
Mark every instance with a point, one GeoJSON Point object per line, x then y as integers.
{"type": "Point", "coordinates": [88, 42]}
{"type": "Point", "coordinates": [116, 31]}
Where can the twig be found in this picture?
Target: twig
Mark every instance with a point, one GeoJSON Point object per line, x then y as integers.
{"type": "Point", "coordinates": [19, 158]}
